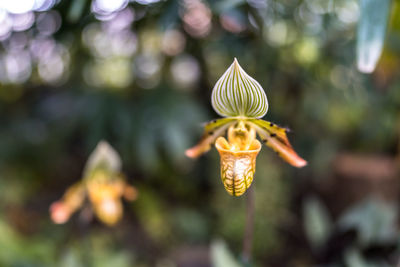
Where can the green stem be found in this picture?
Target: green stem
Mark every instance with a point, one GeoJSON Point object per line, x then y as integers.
{"type": "Point", "coordinates": [249, 227]}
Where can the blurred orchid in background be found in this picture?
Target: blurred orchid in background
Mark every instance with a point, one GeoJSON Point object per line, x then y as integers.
{"type": "Point", "coordinates": [104, 185]}
{"type": "Point", "coordinates": [242, 101]}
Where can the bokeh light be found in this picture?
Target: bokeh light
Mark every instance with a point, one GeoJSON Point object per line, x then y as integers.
{"type": "Point", "coordinates": [105, 9]}
{"type": "Point", "coordinates": [53, 67]}
{"type": "Point", "coordinates": [234, 22]}
{"type": "Point", "coordinates": [196, 16]}
{"type": "Point", "coordinates": [24, 6]}
{"type": "Point", "coordinates": [347, 11]}
{"type": "Point", "coordinates": [17, 65]}
{"type": "Point", "coordinates": [173, 42]}
{"type": "Point", "coordinates": [18, 7]}
{"type": "Point", "coordinates": [185, 71]}
{"type": "Point", "coordinates": [148, 68]}
{"type": "Point", "coordinates": [24, 21]}
{"type": "Point", "coordinates": [48, 23]}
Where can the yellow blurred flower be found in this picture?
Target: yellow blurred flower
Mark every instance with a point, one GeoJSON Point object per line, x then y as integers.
{"type": "Point", "coordinates": [104, 186]}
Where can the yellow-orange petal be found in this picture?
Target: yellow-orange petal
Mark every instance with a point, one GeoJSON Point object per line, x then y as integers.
{"type": "Point", "coordinates": [213, 130]}
{"type": "Point", "coordinates": [74, 196]}
{"type": "Point", "coordinates": [108, 210]}
{"type": "Point", "coordinates": [275, 137]}
{"type": "Point", "coordinates": [130, 193]}
{"type": "Point", "coordinates": [287, 153]}
{"type": "Point", "coordinates": [59, 212]}
{"type": "Point", "coordinates": [105, 197]}
{"type": "Point", "coordinates": [202, 147]}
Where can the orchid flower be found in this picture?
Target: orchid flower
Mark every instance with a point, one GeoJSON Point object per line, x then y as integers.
{"type": "Point", "coordinates": [242, 102]}
{"type": "Point", "coordinates": [102, 183]}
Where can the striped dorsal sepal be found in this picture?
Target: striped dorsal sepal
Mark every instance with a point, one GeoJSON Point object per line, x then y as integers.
{"type": "Point", "coordinates": [236, 94]}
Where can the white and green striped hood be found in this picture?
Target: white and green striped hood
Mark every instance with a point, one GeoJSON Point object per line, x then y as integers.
{"type": "Point", "coordinates": [236, 94]}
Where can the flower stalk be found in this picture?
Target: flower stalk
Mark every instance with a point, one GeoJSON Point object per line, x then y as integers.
{"type": "Point", "coordinates": [249, 227]}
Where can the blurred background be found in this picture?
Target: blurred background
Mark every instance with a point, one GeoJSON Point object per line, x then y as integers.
{"type": "Point", "coordinates": [139, 74]}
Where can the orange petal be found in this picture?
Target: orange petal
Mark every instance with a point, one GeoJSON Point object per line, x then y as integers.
{"type": "Point", "coordinates": [213, 130]}
{"type": "Point", "coordinates": [202, 147]}
{"type": "Point", "coordinates": [74, 196]}
{"type": "Point", "coordinates": [275, 137]}
{"type": "Point", "coordinates": [130, 193]}
{"type": "Point", "coordinates": [286, 152]}
{"type": "Point", "coordinates": [59, 212]}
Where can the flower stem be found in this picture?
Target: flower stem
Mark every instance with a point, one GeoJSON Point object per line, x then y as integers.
{"type": "Point", "coordinates": [249, 227]}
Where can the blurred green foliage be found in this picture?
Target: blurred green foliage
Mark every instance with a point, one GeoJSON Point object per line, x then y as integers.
{"type": "Point", "coordinates": [140, 75]}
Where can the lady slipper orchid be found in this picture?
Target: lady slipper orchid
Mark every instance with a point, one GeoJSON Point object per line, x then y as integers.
{"type": "Point", "coordinates": [242, 101]}
{"type": "Point", "coordinates": [103, 184]}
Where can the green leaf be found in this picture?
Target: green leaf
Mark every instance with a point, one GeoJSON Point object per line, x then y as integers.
{"type": "Point", "coordinates": [222, 6]}
{"type": "Point", "coordinates": [354, 258]}
{"type": "Point", "coordinates": [75, 11]}
{"type": "Point", "coordinates": [317, 223]}
{"type": "Point", "coordinates": [221, 256]}
{"type": "Point", "coordinates": [371, 33]}
{"type": "Point", "coordinates": [374, 220]}
{"type": "Point", "coordinates": [70, 258]}
{"type": "Point", "coordinates": [238, 94]}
